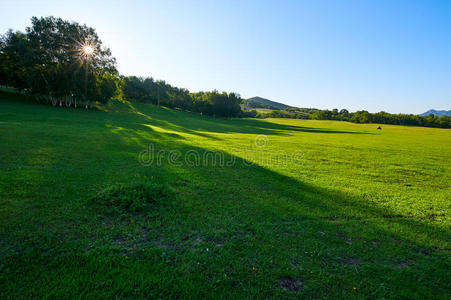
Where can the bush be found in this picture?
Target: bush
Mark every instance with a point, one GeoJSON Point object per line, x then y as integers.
{"type": "Point", "coordinates": [135, 198]}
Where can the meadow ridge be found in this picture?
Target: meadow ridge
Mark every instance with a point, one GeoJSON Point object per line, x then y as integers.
{"type": "Point", "coordinates": [338, 210]}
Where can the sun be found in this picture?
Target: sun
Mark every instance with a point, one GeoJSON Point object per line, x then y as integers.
{"type": "Point", "coordinates": [88, 50]}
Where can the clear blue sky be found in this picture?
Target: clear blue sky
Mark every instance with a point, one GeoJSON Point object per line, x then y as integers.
{"type": "Point", "coordinates": [375, 55]}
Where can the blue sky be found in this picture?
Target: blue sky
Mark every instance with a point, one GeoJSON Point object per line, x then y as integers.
{"type": "Point", "coordinates": [374, 55]}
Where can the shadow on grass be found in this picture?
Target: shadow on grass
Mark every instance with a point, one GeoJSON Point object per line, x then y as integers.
{"type": "Point", "coordinates": [197, 124]}
{"type": "Point", "coordinates": [249, 217]}
{"type": "Point", "coordinates": [137, 115]}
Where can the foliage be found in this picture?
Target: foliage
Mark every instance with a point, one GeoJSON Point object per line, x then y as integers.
{"type": "Point", "coordinates": [217, 104]}
{"type": "Point", "coordinates": [160, 93]}
{"type": "Point", "coordinates": [50, 61]}
{"type": "Point", "coordinates": [361, 117]}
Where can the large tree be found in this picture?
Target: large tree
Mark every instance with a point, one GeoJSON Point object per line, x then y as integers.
{"type": "Point", "coordinates": [59, 61]}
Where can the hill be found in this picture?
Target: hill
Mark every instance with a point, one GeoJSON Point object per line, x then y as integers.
{"type": "Point", "coordinates": [438, 113]}
{"type": "Point", "coordinates": [132, 200]}
{"type": "Point", "coordinates": [268, 103]}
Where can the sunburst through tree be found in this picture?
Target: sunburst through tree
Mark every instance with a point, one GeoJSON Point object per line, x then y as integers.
{"type": "Point", "coordinates": [66, 63]}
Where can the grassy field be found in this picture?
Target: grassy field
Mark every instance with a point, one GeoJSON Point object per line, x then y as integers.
{"type": "Point", "coordinates": [316, 209]}
{"type": "Point", "coordinates": [263, 111]}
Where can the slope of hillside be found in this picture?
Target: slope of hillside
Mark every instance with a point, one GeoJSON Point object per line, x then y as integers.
{"type": "Point", "coordinates": [438, 113]}
{"type": "Point", "coordinates": [274, 208]}
{"type": "Point", "coordinates": [268, 102]}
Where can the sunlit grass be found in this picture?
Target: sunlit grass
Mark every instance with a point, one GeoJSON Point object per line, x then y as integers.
{"type": "Point", "coordinates": [363, 214]}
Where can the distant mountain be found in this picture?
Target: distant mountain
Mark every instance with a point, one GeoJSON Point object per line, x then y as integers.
{"type": "Point", "coordinates": [267, 103]}
{"type": "Point", "coordinates": [438, 113]}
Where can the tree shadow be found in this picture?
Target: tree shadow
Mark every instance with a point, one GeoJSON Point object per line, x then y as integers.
{"type": "Point", "coordinates": [197, 124]}
{"type": "Point", "coordinates": [248, 216]}
{"type": "Point", "coordinates": [252, 209]}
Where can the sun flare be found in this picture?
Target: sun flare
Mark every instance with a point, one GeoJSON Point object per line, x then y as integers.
{"type": "Point", "coordinates": [88, 50]}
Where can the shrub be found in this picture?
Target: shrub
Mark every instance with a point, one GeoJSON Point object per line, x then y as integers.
{"type": "Point", "coordinates": [135, 197]}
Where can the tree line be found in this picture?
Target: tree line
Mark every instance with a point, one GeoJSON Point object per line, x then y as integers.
{"type": "Point", "coordinates": [64, 63]}
{"type": "Point", "coordinates": [158, 92]}
{"type": "Point", "coordinates": [361, 117]}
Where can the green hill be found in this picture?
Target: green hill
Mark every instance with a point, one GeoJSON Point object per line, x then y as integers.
{"type": "Point", "coordinates": [131, 200]}
{"type": "Point", "coordinates": [268, 103]}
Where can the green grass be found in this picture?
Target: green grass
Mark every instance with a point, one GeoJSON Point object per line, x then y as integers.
{"type": "Point", "coordinates": [360, 213]}
{"type": "Point", "coordinates": [263, 110]}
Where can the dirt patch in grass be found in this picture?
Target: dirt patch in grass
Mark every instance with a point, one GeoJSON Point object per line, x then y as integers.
{"type": "Point", "coordinates": [290, 284]}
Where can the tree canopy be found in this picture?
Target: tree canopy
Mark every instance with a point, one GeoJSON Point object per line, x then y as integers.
{"type": "Point", "coordinates": [160, 93]}
{"type": "Point", "coordinates": [59, 62]}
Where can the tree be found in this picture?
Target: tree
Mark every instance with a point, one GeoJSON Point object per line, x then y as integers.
{"type": "Point", "coordinates": [14, 58]}
{"type": "Point", "coordinates": [322, 115]}
{"type": "Point", "coordinates": [361, 117]}
{"type": "Point", "coordinates": [58, 61]}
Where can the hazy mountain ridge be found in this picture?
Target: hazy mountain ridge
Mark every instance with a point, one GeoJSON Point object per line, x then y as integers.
{"type": "Point", "coordinates": [438, 113]}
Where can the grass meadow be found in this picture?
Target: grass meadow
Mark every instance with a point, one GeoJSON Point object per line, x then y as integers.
{"type": "Point", "coordinates": [263, 110]}
{"type": "Point", "coordinates": [278, 208]}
